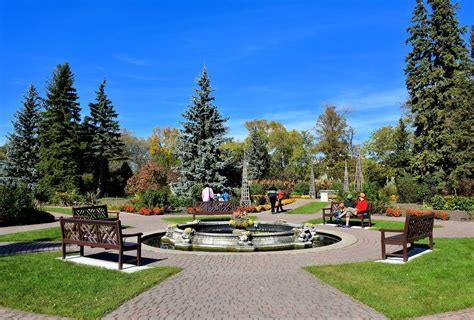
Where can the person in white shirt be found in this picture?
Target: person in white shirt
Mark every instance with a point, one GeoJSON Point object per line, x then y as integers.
{"type": "Point", "coordinates": [207, 194]}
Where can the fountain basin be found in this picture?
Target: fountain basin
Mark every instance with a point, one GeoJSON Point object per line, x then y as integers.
{"type": "Point", "coordinates": [220, 236]}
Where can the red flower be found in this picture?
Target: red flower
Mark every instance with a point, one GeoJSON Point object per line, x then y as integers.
{"type": "Point", "coordinates": [389, 211]}
{"type": "Point", "coordinates": [156, 210]}
{"type": "Point", "coordinates": [128, 208]}
{"type": "Point", "coordinates": [145, 211]}
{"type": "Point", "coordinates": [190, 210]}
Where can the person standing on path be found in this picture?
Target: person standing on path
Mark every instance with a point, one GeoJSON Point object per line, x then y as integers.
{"type": "Point", "coordinates": [207, 194]}
{"type": "Point", "coordinates": [272, 196]}
{"type": "Point", "coordinates": [280, 196]}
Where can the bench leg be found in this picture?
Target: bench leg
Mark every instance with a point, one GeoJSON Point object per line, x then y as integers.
{"type": "Point", "coordinates": [384, 254]}
{"type": "Point", "coordinates": [405, 252]}
{"type": "Point", "coordinates": [431, 243]}
{"type": "Point", "coordinates": [120, 262]}
{"type": "Point", "coordinates": [81, 251]}
{"type": "Point", "coordinates": [63, 249]}
{"type": "Point", "coordinates": [139, 255]}
{"type": "Point", "coordinates": [362, 222]}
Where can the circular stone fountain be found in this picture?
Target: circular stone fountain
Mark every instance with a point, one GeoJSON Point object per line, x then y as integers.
{"type": "Point", "coordinates": [258, 236]}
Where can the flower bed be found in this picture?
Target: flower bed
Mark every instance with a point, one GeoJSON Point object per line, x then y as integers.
{"type": "Point", "coordinates": [142, 211]}
{"type": "Point", "coordinates": [397, 212]}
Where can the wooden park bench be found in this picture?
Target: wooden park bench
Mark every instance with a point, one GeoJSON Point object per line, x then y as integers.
{"type": "Point", "coordinates": [94, 213]}
{"type": "Point", "coordinates": [212, 208]}
{"type": "Point", "coordinates": [105, 234]}
{"type": "Point", "coordinates": [331, 213]}
{"type": "Point", "coordinates": [416, 228]}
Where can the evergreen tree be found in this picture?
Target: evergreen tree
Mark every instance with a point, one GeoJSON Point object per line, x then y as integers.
{"type": "Point", "coordinates": [437, 83]}
{"type": "Point", "coordinates": [22, 152]}
{"type": "Point", "coordinates": [199, 142]}
{"type": "Point", "coordinates": [257, 155]}
{"type": "Point", "coordinates": [106, 144]}
{"type": "Point", "coordinates": [59, 137]}
{"type": "Point", "coordinates": [418, 82]}
{"type": "Point", "coordinates": [400, 158]}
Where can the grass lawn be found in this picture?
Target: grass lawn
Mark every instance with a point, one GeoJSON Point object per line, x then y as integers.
{"type": "Point", "coordinates": [202, 218]}
{"type": "Point", "coordinates": [312, 207]}
{"type": "Point", "coordinates": [40, 283]}
{"type": "Point", "coordinates": [376, 224]}
{"type": "Point", "coordinates": [387, 224]}
{"type": "Point", "coordinates": [48, 234]}
{"type": "Point", "coordinates": [437, 282]}
{"type": "Point", "coordinates": [58, 210]}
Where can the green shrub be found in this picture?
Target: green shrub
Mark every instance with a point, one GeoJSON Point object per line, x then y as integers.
{"type": "Point", "coordinates": [67, 198]}
{"type": "Point", "coordinates": [180, 202]}
{"type": "Point", "coordinates": [410, 190]}
{"type": "Point", "coordinates": [153, 198]}
{"type": "Point", "coordinates": [17, 206]}
{"type": "Point", "coordinates": [337, 185]}
{"type": "Point", "coordinates": [377, 197]}
{"type": "Point", "coordinates": [301, 188]}
{"type": "Point", "coordinates": [452, 203]}
{"type": "Point", "coordinates": [256, 188]}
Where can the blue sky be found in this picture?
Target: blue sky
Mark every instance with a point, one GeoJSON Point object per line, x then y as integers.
{"type": "Point", "coordinates": [279, 60]}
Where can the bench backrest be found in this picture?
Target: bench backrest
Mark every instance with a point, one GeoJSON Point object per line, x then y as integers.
{"type": "Point", "coordinates": [335, 206]}
{"type": "Point", "coordinates": [214, 207]}
{"type": "Point", "coordinates": [92, 212]}
{"type": "Point", "coordinates": [86, 232]}
{"type": "Point", "coordinates": [418, 227]}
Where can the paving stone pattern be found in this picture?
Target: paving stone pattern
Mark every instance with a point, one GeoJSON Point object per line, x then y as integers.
{"type": "Point", "coordinates": [256, 285]}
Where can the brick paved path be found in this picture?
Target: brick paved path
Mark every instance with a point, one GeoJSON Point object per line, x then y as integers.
{"type": "Point", "coordinates": [257, 285]}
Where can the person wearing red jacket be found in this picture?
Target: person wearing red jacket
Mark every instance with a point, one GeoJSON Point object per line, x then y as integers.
{"type": "Point", "coordinates": [362, 205]}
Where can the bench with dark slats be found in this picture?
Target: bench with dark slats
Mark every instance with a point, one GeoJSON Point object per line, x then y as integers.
{"type": "Point", "coordinates": [105, 234]}
{"type": "Point", "coordinates": [416, 228]}
{"type": "Point", "coordinates": [94, 213]}
{"type": "Point", "coordinates": [207, 208]}
{"type": "Point", "coordinates": [364, 217]}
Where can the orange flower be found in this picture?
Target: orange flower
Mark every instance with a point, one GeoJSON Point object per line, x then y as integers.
{"type": "Point", "coordinates": [145, 211]}
{"type": "Point", "coordinates": [156, 210]}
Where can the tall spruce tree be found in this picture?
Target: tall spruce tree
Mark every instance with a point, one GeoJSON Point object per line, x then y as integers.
{"type": "Point", "coordinates": [418, 82]}
{"type": "Point", "coordinates": [400, 158]}
{"type": "Point", "coordinates": [106, 144]}
{"type": "Point", "coordinates": [199, 142]}
{"type": "Point", "coordinates": [257, 155]}
{"type": "Point", "coordinates": [22, 147]}
{"type": "Point", "coordinates": [59, 137]}
{"type": "Point", "coordinates": [437, 82]}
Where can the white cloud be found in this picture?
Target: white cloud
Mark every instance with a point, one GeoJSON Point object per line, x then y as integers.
{"type": "Point", "coordinates": [139, 77]}
{"type": "Point", "coordinates": [373, 100]}
{"type": "Point", "coordinates": [132, 60]}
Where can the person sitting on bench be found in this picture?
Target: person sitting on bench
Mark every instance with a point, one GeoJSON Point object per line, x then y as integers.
{"type": "Point", "coordinates": [348, 209]}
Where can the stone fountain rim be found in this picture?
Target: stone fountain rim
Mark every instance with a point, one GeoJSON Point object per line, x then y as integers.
{"type": "Point", "coordinates": [181, 226]}
{"type": "Point", "coordinates": [346, 241]}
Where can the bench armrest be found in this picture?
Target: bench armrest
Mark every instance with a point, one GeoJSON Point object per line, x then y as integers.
{"type": "Point", "coordinates": [126, 235]}
{"type": "Point", "coordinates": [116, 213]}
{"type": "Point", "coordinates": [327, 209]}
{"type": "Point", "coordinates": [391, 230]}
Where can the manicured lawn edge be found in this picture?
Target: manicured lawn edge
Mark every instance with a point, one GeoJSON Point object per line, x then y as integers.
{"type": "Point", "coordinates": [309, 208]}
{"type": "Point", "coordinates": [61, 210]}
{"type": "Point", "coordinates": [376, 224]}
{"type": "Point", "coordinates": [47, 234]}
{"type": "Point", "coordinates": [43, 284]}
{"type": "Point", "coordinates": [433, 283]}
